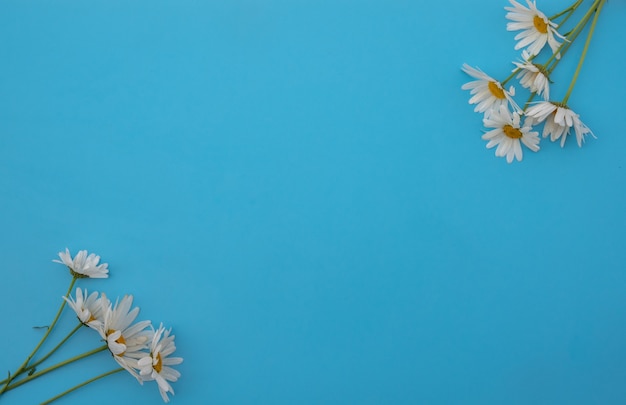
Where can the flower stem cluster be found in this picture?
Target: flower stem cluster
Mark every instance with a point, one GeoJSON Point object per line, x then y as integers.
{"type": "Point", "coordinates": [501, 114]}
{"type": "Point", "coordinates": [136, 347]}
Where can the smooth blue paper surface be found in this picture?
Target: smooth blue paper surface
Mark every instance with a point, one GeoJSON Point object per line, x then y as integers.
{"type": "Point", "coordinates": [300, 190]}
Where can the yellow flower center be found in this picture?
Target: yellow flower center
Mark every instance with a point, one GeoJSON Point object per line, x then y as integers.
{"type": "Point", "coordinates": [512, 132]}
{"type": "Point", "coordinates": [496, 90]}
{"type": "Point", "coordinates": [159, 364]}
{"type": "Point", "coordinates": [540, 24]}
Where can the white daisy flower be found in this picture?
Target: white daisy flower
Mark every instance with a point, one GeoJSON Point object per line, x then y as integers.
{"type": "Point", "coordinates": [559, 120]}
{"type": "Point", "coordinates": [126, 341]}
{"type": "Point", "coordinates": [88, 308]}
{"type": "Point", "coordinates": [83, 266]}
{"type": "Point", "coordinates": [507, 134]}
{"type": "Point", "coordinates": [536, 28]}
{"type": "Point", "coordinates": [533, 77]}
{"type": "Point", "coordinates": [156, 365]}
{"type": "Point", "coordinates": [487, 93]}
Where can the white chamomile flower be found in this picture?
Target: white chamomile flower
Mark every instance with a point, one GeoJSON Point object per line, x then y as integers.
{"type": "Point", "coordinates": [126, 341]}
{"type": "Point", "coordinates": [536, 28]}
{"type": "Point", "coordinates": [487, 93]}
{"type": "Point", "coordinates": [507, 134]}
{"type": "Point", "coordinates": [533, 77]}
{"type": "Point", "coordinates": [83, 265]}
{"type": "Point", "coordinates": [156, 365]}
{"type": "Point", "coordinates": [559, 120]}
{"type": "Point", "coordinates": [88, 308]}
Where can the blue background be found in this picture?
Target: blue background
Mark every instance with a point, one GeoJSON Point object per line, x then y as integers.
{"type": "Point", "coordinates": [300, 190]}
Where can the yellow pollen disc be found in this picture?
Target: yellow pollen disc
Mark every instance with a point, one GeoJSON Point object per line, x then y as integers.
{"type": "Point", "coordinates": [91, 319]}
{"type": "Point", "coordinates": [540, 24]}
{"type": "Point", "coordinates": [511, 132]}
{"type": "Point", "coordinates": [496, 90]}
{"type": "Point", "coordinates": [159, 365]}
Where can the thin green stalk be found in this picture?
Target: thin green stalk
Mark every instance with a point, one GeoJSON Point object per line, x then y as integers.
{"type": "Point", "coordinates": [599, 3]}
{"type": "Point", "coordinates": [52, 368]}
{"type": "Point", "coordinates": [21, 369]}
{"type": "Point", "coordinates": [117, 370]}
{"type": "Point", "coordinates": [567, 10]}
{"type": "Point", "coordinates": [512, 75]}
{"type": "Point", "coordinates": [567, 17]}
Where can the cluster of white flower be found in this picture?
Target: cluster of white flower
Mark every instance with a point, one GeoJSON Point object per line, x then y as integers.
{"type": "Point", "coordinates": [139, 348]}
{"type": "Point", "coordinates": [501, 114]}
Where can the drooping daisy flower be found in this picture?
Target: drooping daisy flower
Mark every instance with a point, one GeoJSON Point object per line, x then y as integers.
{"type": "Point", "coordinates": [88, 308]}
{"type": "Point", "coordinates": [84, 266]}
{"type": "Point", "coordinates": [126, 341]}
{"type": "Point", "coordinates": [533, 77]}
{"type": "Point", "coordinates": [156, 366]}
{"type": "Point", "coordinates": [559, 120]}
{"type": "Point", "coordinates": [487, 93]}
{"type": "Point", "coordinates": [536, 28]}
{"type": "Point", "coordinates": [507, 134]}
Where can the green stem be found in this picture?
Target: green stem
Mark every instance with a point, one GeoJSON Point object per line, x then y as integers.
{"type": "Point", "coordinates": [52, 368]}
{"type": "Point", "coordinates": [117, 370]}
{"type": "Point", "coordinates": [21, 369]}
{"type": "Point", "coordinates": [512, 75]}
{"type": "Point", "coordinates": [599, 4]}
{"type": "Point", "coordinates": [567, 17]}
{"type": "Point", "coordinates": [570, 9]}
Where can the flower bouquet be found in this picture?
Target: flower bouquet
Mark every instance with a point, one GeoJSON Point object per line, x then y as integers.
{"type": "Point", "coordinates": [136, 347]}
{"type": "Point", "coordinates": [502, 116]}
